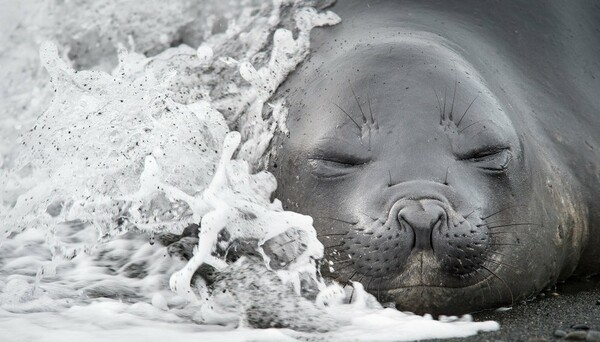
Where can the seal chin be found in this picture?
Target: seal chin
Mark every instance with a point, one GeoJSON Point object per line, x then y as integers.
{"type": "Point", "coordinates": [424, 268]}
{"type": "Point", "coordinates": [421, 288]}
{"type": "Point", "coordinates": [438, 300]}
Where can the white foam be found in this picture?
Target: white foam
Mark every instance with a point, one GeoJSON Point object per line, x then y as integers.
{"type": "Point", "coordinates": [148, 148]}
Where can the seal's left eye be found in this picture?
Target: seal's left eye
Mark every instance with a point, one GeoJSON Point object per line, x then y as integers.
{"type": "Point", "coordinates": [494, 160]}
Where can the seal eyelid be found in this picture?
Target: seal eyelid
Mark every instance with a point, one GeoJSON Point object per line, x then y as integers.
{"type": "Point", "coordinates": [334, 165]}
{"type": "Point", "coordinates": [338, 154]}
{"type": "Point", "coordinates": [487, 152]}
{"type": "Point", "coordinates": [494, 160]}
{"type": "Point", "coordinates": [481, 153]}
{"type": "Point", "coordinates": [342, 161]}
{"type": "Point", "coordinates": [332, 168]}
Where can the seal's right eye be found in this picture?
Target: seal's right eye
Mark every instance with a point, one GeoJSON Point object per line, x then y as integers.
{"type": "Point", "coordinates": [333, 167]}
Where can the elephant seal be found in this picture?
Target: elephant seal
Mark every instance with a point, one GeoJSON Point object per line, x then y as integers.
{"type": "Point", "coordinates": [449, 151]}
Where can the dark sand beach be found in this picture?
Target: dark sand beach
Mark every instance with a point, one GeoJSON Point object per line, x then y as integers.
{"type": "Point", "coordinates": [570, 312]}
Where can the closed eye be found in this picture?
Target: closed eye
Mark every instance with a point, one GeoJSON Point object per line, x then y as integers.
{"type": "Point", "coordinates": [493, 160]}
{"type": "Point", "coordinates": [334, 167]}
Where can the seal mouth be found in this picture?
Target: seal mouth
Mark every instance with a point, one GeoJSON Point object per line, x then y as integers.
{"type": "Point", "coordinates": [423, 269]}
{"type": "Point", "coordinates": [400, 288]}
{"type": "Point", "coordinates": [421, 288]}
{"type": "Point", "coordinates": [386, 256]}
{"type": "Point", "coordinates": [423, 236]}
{"type": "Point", "coordinates": [436, 299]}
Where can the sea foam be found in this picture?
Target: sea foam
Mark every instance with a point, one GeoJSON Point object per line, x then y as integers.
{"type": "Point", "coordinates": [99, 192]}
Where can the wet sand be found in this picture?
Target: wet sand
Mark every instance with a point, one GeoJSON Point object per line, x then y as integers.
{"type": "Point", "coordinates": [573, 308]}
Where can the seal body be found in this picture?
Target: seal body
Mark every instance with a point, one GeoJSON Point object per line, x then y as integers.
{"type": "Point", "coordinates": [449, 151]}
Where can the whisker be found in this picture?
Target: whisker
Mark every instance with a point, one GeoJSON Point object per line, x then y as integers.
{"type": "Point", "coordinates": [473, 124]}
{"type": "Point", "coordinates": [390, 182]}
{"type": "Point", "coordinates": [350, 117]}
{"type": "Point", "coordinates": [500, 211]}
{"type": "Point", "coordinates": [341, 261]}
{"type": "Point", "coordinates": [336, 219]}
{"type": "Point", "coordinates": [369, 216]}
{"type": "Point", "coordinates": [359, 106]}
{"type": "Point", "coordinates": [505, 244]}
{"type": "Point", "coordinates": [332, 258]}
{"type": "Point", "coordinates": [345, 267]}
{"type": "Point", "coordinates": [483, 292]}
{"type": "Point", "coordinates": [503, 222]}
{"type": "Point", "coordinates": [453, 98]}
{"type": "Point", "coordinates": [340, 270]}
{"type": "Point", "coordinates": [444, 111]}
{"type": "Point", "coordinates": [510, 225]}
{"type": "Point", "coordinates": [370, 110]}
{"type": "Point", "coordinates": [470, 213]}
{"type": "Point", "coordinates": [502, 263]}
{"type": "Point", "coordinates": [360, 279]}
{"type": "Point", "coordinates": [512, 298]}
{"type": "Point", "coordinates": [465, 113]}
{"type": "Point", "coordinates": [439, 105]}
{"type": "Point", "coordinates": [495, 222]}
{"type": "Point", "coordinates": [352, 293]}
{"type": "Point", "coordinates": [369, 283]}
{"type": "Point", "coordinates": [325, 235]}
{"type": "Point", "coordinates": [488, 284]}
{"type": "Point", "coordinates": [446, 178]}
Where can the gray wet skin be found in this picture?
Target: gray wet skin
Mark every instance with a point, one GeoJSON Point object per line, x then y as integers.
{"type": "Point", "coordinates": [449, 151]}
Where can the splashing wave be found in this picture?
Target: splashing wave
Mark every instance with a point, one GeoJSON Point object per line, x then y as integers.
{"type": "Point", "coordinates": [167, 139]}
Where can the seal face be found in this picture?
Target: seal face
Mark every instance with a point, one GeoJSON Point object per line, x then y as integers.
{"type": "Point", "coordinates": [421, 181]}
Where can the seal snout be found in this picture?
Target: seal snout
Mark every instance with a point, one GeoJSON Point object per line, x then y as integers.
{"type": "Point", "coordinates": [432, 226]}
{"type": "Point", "coordinates": [422, 217]}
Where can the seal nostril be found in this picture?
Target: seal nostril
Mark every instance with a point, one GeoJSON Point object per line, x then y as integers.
{"type": "Point", "coordinates": [438, 223]}
{"type": "Point", "coordinates": [422, 217]}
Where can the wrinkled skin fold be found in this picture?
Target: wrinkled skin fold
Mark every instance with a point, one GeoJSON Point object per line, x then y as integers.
{"type": "Point", "coordinates": [448, 151]}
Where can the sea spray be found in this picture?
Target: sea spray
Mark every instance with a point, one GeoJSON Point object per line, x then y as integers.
{"type": "Point", "coordinates": [119, 153]}
{"type": "Point", "coordinates": [135, 157]}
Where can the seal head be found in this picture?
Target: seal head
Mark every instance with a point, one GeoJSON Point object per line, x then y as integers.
{"type": "Point", "coordinates": [422, 181]}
